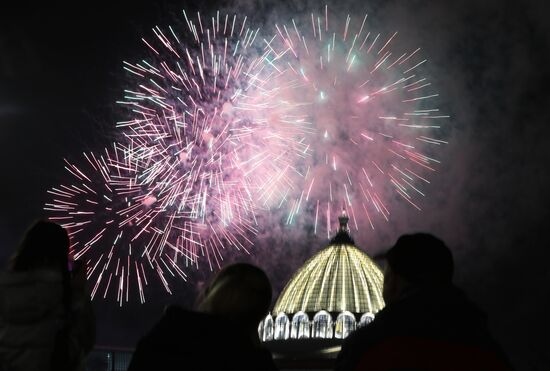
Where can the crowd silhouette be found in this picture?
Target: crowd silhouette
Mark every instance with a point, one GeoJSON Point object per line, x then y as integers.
{"type": "Point", "coordinates": [47, 321]}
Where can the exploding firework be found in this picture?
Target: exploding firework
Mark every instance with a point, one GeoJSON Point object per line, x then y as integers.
{"type": "Point", "coordinates": [175, 190]}
{"type": "Point", "coordinates": [182, 121]}
{"type": "Point", "coordinates": [195, 118]}
{"type": "Point", "coordinates": [111, 225]}
{"type": "Point", "coordinates": [224, 123]}
{"type": "Point", "coordinates": [361, 110]}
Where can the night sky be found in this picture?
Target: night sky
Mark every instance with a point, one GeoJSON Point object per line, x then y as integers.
{"type": "Point", "coordinates": [61, 72]}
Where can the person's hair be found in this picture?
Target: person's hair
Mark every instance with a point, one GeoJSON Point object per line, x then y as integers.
{"type": "Point", "coordinates": [421, 259]}
{"type": "Point", "coordinates": [45, 245]}
{"type": "Point", "coordinates": [240, 291]}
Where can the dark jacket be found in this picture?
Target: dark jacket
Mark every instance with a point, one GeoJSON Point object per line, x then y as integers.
{"type": "Point", "coordinates": [186, 340]}
{"type": "Point", "coordinates": [34, 322]}
{"type": "Point", "coordinates": [428, 329]}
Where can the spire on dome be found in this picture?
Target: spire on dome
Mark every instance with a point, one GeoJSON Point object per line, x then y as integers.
{"type": "Point", "coordinates": [342, 236]}
{"type": "Point", "coordinates": [343, 219]}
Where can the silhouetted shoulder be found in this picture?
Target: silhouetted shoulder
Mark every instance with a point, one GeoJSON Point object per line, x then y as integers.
{"type": "Point", "coordinates": [200, 341]}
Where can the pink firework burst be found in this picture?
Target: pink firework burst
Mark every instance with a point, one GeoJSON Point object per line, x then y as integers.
{"type": "Point", "coordinates": [112, 225]}
{"type": "Point", "coordinates": [183, 123]}
{"type": "Point", "coordinates": [175, 190]}
{"type": "Point", "coordinates": [363, 112]}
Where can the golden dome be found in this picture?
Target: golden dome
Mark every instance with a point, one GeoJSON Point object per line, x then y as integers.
{"type": "Point", "coordinates": [338, 278]}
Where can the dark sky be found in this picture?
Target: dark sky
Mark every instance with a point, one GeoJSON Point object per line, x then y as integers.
{"type": "Point", "coordinates": [61, 71]}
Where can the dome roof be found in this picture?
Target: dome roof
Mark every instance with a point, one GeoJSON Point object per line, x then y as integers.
{"type": "Point", "coordinates": [338, 278]}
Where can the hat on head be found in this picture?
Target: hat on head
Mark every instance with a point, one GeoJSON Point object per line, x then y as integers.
{"type": "Point", "coordinates": [421, 259]}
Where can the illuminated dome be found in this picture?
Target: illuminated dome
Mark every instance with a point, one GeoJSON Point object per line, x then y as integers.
{"type": "Point", "coordinates": [338, 278]}
{"type": "Point", "coordinates": [335, 291]}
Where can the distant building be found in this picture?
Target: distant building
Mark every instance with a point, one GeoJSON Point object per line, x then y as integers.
{"type": "Point", "coordinates": [333, 293]}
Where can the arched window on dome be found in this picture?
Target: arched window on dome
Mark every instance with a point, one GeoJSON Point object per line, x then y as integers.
{"type": "Point", "coordinates": [322, 325]}
{"type": "Point", "coordinates": [282, 327]}
{"type": "Point", "coordinates": [268, 328]}
{"type": "Point", "coordinates": [345, 324]}
{"type": "Point", "coordinates": [261, 330]}
{"type": "Point", "coordinates": [366, 318]}
{"type": "Point", "coordinates": [300, 326]}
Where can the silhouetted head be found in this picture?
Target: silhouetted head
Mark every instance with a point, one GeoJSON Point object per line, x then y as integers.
{"type": "Point", "coordinates": [417, 260]}
{"type": "Point", "coordinates": [44, 246]}
{"type": "Point", "coordinates": [239, 291]}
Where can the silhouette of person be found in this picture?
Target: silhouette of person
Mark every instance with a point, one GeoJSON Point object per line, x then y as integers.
{"type": "Point", "coordinates": [221, 335]}
{"type": "Point", "coordinates": [46, 318]}
{"type": "Point", "coordinates": [428, 323]}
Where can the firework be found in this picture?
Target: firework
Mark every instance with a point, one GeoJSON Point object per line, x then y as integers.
{"type": "Point", "coordinates": [174, 191]}
{"type": "Point", "coordinates": [195, 146]}
{"type": "Point", "coordinates": [109, 220]}
{"type": "Point", "coordinates": [195, 116]}
{"type": "Point", "coordinates": [362, 111]}
{"type": "Point", "coordinates": [222, 123]}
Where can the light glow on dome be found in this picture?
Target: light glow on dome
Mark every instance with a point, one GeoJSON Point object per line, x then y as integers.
{"type": "Point", "coordinates": [340, 286]}
{"type": "Point", "coordinates": [338, 278]}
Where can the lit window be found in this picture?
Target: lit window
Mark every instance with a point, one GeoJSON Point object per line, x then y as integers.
{"type": "Point", "coordinates": [322, 325]}
{"type": "Point", "coordinates": [366, 318]}
{"type": "Point", "coordinates": [261, 330]}
{"type": "Point", "coordinates": [282, 327]}
{"type": "Point", "coordinates": [300, 326]}
{"type": "Point", "coordinates": [345, 323]}
{"type": "Point", "coordinates": [268, 328]}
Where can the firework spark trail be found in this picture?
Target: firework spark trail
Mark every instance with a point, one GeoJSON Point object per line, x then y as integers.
{"type": "Point", "coordinates": [223, 123]}
{"type": "Point", "coordinates": [363, 113]}
{"type": "Point", "coordinates": [176, 189]}
{"type": "Point", "coordinates": [108, 216]}
{"type": "Point", "coordinates": [212, 156]}
{"type": "Point", "coordinates": [125, 234]}
{"type": "Point", "coordinates": [189, 156]}
{"type": "Point", "coordinates": [184, 123]}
